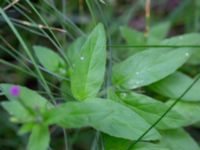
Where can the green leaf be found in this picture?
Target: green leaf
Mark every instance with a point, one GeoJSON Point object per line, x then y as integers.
{"type": "Point", "coordinates": [194, 60]}
{"type": "Point", "coordinates": [174, 85]}
{"type": "Point", "coordinates": [65, 90]}
{"type": "Point", "coordinates": [132, 36]}
{"type": "Point", "coordinates": [27, 105]}
{"type": "Point", "coordinates": [148, 67]}
{"type": "Point", "coordinates": [154, 64]}
{"type": "Point", "coordinates": [158, 32]}
{"type": "Point", "coordinates": [190, 110]}
{"type": "Point", "coordinates": [182, 40]}
{"type": "Point", "coordinates": [15, 109]}
{"type": "Point", "coordinates": [104, 115]}
{"type": "Point", "coordinates": [88, 72]}
{"type": "Point", "coordinates": [137, 38]}
{"type": "Point", "coordinates": [151, 110]}
{"type": "Point", "coordinates": [39, 139]}
{"type": "Point", "coordinates": [73, 51]}
{"type": "Point", "coordinates": [112, 143]}
{"type": "Point", "coordinates": [149, 146]}
{"type": "Point", "coordinates": [179, 140]}
{"type": "Point", "coordinates": [50, 60]}
{"type": "Point", "coordinates": [27, 127]}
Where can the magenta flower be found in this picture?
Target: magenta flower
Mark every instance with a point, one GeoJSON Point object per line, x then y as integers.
{"type": "Point", "coordinates": [15, 90]}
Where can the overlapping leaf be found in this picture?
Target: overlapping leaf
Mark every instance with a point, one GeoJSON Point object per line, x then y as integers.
{"type": "Point", "coordinates": [50, 60]}
{"type": "Point", "coordinates": [190, 110]}
{"type": "Point", "coordinates": [179, 139]}
{"type": "Point", "coordinates": [151, 110]}
{"type": "Point", "coordinates": [104, 115]}
{"type": "Point", "coordinates": [174, 85]}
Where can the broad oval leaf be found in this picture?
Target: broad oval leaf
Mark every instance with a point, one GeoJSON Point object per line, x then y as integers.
{"type": "Point", "coordinates": [148, 67]}
{"type": "Point", "coordinates": [178, 139]}
{"type": "Point", "coordinates": [104, 115]}
{"type": "Point", "coordinates": [190, 110]}
{"type": "Point", "coordinates": [88, 72]}
{"type": "Point", "coordinates": [151, 110]}
{"type": "Point", "coordinates": [50, 60]}
{"type": "Point", "coordinates": [39, 139]}
{"type": "Point", "coordinates": [188, 40]}
{"type": "Point", "coordinates": [174, 85]}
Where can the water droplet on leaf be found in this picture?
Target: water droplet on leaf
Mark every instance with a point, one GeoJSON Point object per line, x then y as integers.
{"type": "Point", "coordinates": [82, 58]}
{"type": "Point", "coordinates": [123, 95]}
{"type": "Point", "coordinates": [180, 37]}
{"type": "Point", "coordinates": [137, 73]}
{"type": "Point", "coordinates": [187, 54]}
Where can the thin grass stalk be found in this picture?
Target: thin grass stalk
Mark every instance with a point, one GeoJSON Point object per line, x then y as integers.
{"type": "Point", "coordinates": [42, 79]}
{"type": "Point", "coordinates": [164, 114]}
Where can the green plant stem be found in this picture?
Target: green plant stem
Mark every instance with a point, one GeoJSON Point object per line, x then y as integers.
{"type": "Point", "coordinates": [65, 139]}
{"type": "Point", "coordinates": [95, 141]}
{"type": "Point", "coordinates": [109, 69]}
{"type": "Point", "coordinates": [66, 21]}
{"type": "Point", "coordinates": [89, 4]}
{"type": "Point", "coordinates": [64, 2]}
{"type": "Point", "coordinates": [33, 24]}
{"type": "Point", "coordinates": [196, 15]}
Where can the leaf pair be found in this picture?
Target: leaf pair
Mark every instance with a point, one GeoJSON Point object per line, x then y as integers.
{"type": "Point", "coordinates": [104, 115]}
{"type": "Point", "coordinates": [36, 114]}
{"type": "Point", "coordinates": [150, 109]}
